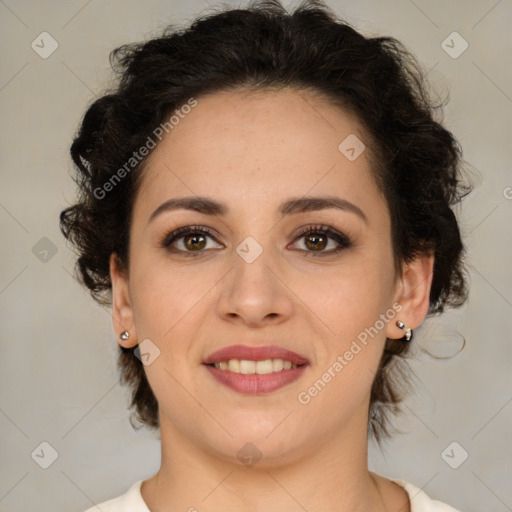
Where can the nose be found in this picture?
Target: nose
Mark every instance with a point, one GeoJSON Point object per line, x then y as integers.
{"type": "Point", "coordinates": [255, 292]}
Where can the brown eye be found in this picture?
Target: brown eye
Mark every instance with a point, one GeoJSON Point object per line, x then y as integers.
{"type": "Point", "coordinates": [194, 242]}
{"type": "Point", "coordinates": [316, 242]}
{"type": "Point", "coordinates": [318, 238]}
{"type": "Point", "coordinates": [189, 239]}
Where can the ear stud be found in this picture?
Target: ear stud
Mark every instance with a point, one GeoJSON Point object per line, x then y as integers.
{"type": "Point", "coordinates": [408, 331]}
{"type": "Point", "coordinates": [124, 335]}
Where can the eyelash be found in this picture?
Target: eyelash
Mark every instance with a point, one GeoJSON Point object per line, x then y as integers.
{"type": "Point", "coordinates": [343, 240]}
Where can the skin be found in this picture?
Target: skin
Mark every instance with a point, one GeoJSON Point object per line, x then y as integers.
{"type": "Point", "coordinates": [252, 152]}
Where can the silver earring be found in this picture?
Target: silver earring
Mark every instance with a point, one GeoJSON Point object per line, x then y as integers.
{"type": "Point", "coordinates": [408, 332]}
{"type": "Point", "coordinates": [124, 335]}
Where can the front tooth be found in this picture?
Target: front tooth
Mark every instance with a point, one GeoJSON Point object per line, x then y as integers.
{"type": "Point", "coordinates": [260, 367]}
{"type": "Point", "coordinates": [277, 365]}
{"type": "Point", "coordinates": [247, 366]}
{"type": "Point", "coordinates": [264, 367]}
{"type": "Point", "coordinates": [234, 365]}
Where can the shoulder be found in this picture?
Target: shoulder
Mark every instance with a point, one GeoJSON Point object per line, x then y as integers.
{"type": "Point", "coordinates": [420, 501]}
{"type": "Point", "coordinates": [131, 501]}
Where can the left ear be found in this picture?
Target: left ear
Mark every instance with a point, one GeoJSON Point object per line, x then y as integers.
{"type": "Point", "coordinates": [413, 293]}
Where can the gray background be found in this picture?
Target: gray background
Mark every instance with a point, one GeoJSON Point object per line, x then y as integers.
{"type": "Point", "coordinates": [58, 378]}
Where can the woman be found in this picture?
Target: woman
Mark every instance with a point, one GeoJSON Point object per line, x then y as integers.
{"type": "Point", "coordinates": [265, 201]}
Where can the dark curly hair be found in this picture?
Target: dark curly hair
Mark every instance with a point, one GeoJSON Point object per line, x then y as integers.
{"type": "Point", "coordinates": [416, 161]}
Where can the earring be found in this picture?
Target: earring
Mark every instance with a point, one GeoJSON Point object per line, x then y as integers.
{"type": "Point", "coordinates": [408, 332]}
{"type": "Point", "coordinates": [124, 335]}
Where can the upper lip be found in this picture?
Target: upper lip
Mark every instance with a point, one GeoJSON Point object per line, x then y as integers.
{"type": "Point", "coordinates": [251, 353]}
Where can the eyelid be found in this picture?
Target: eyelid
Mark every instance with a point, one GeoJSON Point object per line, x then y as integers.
{"type": "Point", "coordinates": [180, 232]}
{"type": "Point", "coordinates": [318, 227]}
{"type": "Point", "coordinates": [344, 241]}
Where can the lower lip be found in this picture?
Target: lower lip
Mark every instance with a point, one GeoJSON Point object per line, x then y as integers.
{"type": "Point", "coordinates": [255, 384]}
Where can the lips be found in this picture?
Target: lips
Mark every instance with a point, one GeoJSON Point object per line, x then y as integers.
{"type": "Point", "coordinates": [255, 383]}
{"type": "Point", "coordinates": [255, 354]}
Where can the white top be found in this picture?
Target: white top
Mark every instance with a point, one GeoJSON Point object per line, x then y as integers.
{"type": "Point", "coordinates": [132, 501]}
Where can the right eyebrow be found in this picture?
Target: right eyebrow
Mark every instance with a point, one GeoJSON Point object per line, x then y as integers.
{"type": "Point", "coordinates": [198, 204]}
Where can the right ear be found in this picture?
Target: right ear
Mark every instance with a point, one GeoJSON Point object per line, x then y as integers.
{"type": "Point", "coordinates": [122, 312]}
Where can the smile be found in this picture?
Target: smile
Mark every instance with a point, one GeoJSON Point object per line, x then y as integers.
{"type": "Point", "coordinates": [260, 367]}
{"type": "Point", "coordinates": [255, 370]}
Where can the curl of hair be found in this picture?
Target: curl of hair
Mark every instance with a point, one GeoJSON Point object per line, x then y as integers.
{"type": "Point", "coordinates": [416, 161]}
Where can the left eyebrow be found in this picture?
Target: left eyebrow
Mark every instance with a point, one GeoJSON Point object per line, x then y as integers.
{"type": "Point", "coordinates": [311, 204]}
{"type": "Point", "coordinates": [208, 206]}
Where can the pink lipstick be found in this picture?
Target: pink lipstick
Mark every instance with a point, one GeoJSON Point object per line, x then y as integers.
{"type": "Point", "coordinates": [255, 370]}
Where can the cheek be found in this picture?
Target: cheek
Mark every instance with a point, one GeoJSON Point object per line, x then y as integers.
{"type": "Point", "coordinates": [351, 296]}
{"type": "Point", "coordinates": [169, 306]}
{"type": "Point", "coordinates": [164, 299]}
{"type": "Point", "coordinates": [354, 303]}
{"type": "Point", "coordinates": [356, 308]}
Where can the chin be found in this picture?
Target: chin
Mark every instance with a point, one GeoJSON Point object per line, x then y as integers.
{"type": "Point", "coordinates": [261, 446]}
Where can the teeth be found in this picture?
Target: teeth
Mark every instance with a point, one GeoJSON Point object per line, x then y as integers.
{"type": "Point", "coordinates": [263, 367]}
{"type": "Point", "coordinates": [250, 367]}
{"type": "Point", "coordinates": [277, 364]}
{"type": "Point", "coordinates": [247, 366]}
{"type": "Point", "coordinates": [233, 365]}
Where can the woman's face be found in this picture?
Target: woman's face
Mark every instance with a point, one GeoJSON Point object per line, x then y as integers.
{"type": "Point", "coordinates": [257, 279]}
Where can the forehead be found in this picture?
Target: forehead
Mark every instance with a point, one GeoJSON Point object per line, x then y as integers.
{"type": "Point", "coordinates": [251, 145]}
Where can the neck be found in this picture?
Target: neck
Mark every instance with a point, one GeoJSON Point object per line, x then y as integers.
{"type": "Point", "coordinates": [331, 474]}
